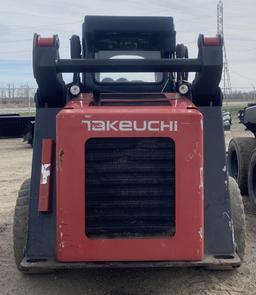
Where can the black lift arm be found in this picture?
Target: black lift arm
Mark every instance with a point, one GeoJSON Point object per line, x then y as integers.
{"type": "Point", "coordinates": [48, 67]}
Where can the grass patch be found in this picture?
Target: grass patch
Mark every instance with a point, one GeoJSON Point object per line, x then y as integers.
{"type": "Point", "coordinates": [28, 114]}
{"type": "Point", "coordinates": [233, 109]}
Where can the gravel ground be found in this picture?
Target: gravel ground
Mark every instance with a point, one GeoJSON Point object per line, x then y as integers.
{"type": "Point", "coordinates": [15, 161]}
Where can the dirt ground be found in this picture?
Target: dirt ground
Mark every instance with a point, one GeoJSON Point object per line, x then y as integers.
{"type": "Point", "coordinates": [15, 160]}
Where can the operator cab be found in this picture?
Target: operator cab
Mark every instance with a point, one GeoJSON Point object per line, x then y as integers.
{"type": "Point", "coordinates": [107, 37]}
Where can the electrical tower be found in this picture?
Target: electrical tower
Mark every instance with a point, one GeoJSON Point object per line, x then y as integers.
{"type": "Point", "coordinates": [227, 89]}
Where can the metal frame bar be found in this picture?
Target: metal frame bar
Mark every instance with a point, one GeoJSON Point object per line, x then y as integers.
{"type": "Point", "coordinates": [209, 262]}
{"type": "Point", "coordinates": [128, 65]}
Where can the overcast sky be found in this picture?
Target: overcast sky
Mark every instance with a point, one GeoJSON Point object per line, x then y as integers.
{"type": "Point", "coordinates": [20, 19]}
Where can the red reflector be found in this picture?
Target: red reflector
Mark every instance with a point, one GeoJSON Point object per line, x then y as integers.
{"type": "Point", "coordinates": [212, 41]}
{"type": "Point", "coordinates": [45, 42]}
{"type": "Point", "coordinates": [45, 178]}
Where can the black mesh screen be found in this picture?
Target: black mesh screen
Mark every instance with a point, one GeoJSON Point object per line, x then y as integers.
{"type": "Point", "coordinates": [136, 103]}
{"type": "Point", "coordinates": [132, 96]}
{"type": "Point", "coordinates": [130, 187]}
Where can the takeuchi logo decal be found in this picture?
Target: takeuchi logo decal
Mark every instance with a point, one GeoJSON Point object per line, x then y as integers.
{"type": "Point", "coordinates": [128, 126]}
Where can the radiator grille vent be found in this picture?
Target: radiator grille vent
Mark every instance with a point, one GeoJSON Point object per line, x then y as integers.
{"type": "Point", "coordinates": [130, 187]}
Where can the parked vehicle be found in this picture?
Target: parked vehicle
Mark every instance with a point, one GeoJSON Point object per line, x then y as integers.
{"type": "Point", "coordinates": [125, 171]}
{"type": "Point", "coordinates": [242, 156]}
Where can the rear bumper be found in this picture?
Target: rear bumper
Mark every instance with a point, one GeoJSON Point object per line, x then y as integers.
{"type": "Point", "coordinates": [209, 262]}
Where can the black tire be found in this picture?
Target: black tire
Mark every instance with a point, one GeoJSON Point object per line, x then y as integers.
{"type": "Point", "coordinates": [238, 217]}
{"type": "Point", "coordinates": [239, 154]}
{"type": "Point", "coordinates": [20, 223]}
{"type": "Point", "coordinates": [182, 52]}
{"type": "Point", "coordinates": [252, 179]}
{"type": "Point", "coordinates": [75, 47]}
{"type": "Point", "coordinates": [217, 101]}
{"type": "Point", "coordinates": [38, 101]}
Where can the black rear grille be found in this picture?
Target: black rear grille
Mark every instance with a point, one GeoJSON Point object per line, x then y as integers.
{"type": "Point", "coordinates": [132, 95]}
{"type": "Point", "coordinates": [162, 102]}
{"type": "Point", "coordinates": [130, 187]}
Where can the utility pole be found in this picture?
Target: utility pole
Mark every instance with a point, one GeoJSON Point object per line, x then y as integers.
{"type": "Point", "coordinates": [227, 88]}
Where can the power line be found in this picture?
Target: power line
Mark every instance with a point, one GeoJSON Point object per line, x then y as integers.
{"type": "Point", "coordinates": [43, 26]}
{"type": "Point", "coordinates": [243, 76]}
{"type": "Point", "coordinates": [16, 41]}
